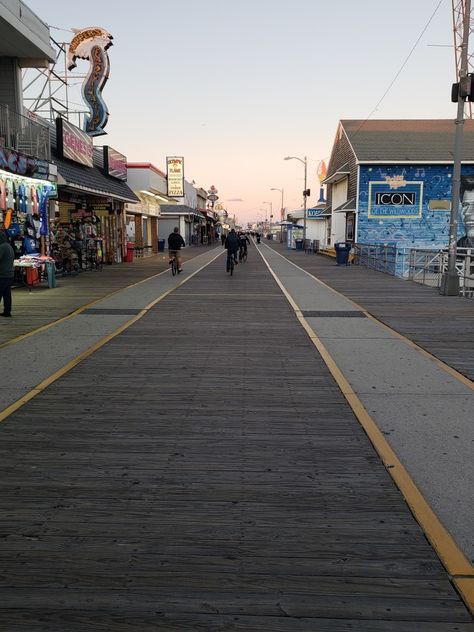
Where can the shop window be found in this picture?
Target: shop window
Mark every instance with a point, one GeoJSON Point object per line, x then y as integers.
{"type": "Point", "coordinates": [350, 220]}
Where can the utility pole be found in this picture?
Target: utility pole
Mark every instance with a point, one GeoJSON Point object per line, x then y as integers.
{"type": "Point", "coordinates": [305, 198]}
{"type": "Point", "coordinates": [450, 279]}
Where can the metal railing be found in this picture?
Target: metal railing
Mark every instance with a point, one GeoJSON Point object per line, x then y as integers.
{"type": "Point", "coordinates": [416, 264]}
{"type": "Point", "coordinates": [24, 135]}
{"type": "Point", "coordinates": [382, 258]}
{"type": "Point", "coordinates": [428, 266]}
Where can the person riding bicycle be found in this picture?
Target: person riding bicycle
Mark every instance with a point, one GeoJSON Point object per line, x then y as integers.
{"type": "Point", "coordinates": [232, 245]}
{"type": "Point", "coordinates": [175, 243]}
{"type": "Point", "coordinates": [244, 240]}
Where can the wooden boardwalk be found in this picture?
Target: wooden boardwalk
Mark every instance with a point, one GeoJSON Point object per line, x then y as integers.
{"type": "Point", "coordinates": [202, 471]}
{"type": "Point", "coordinates": [443, 325]}
{"type": "Point", "coordinates": [42, 305]}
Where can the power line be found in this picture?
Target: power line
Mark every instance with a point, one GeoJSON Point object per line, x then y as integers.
{"type": "Point", "coordinates": [402, 66]}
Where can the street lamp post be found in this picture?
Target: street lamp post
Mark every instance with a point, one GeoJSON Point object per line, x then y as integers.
{"type": "Point", "coordinates": [305, 192]}
{"type": "Point", "coordinates": [282, 211]}
{"type": "Point", "coordinates": [271, 215]}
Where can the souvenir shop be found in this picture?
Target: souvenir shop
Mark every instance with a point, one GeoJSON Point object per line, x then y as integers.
{"type": "Point", "coordinates": [25, 211]}
{"type": "Point", "coordinates": [87, 231]}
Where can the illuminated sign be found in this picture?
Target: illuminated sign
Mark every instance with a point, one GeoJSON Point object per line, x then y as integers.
{"type": "Point", "coordinates": [402, 201]}
{"type": "Point", "coordinates": [73, 143]}
{"type": "Point", "coordinates": [175, 175]}
{"type": "Point", "coordinates": [115, 163]}
{"type": "Point", "coordinates": [92, 43]}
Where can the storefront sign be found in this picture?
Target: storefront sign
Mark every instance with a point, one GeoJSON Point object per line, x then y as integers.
{"type": "Point", "coordinates": [115, 163]}
{"type": "Point", "coordinates": [402, 202]}
{"type": "Point", "coordinates": [92, 43]}
{"type": "Point", "coordinates": [314, 212]}
{"type": "Point", "coordinates": [175, 174]}
{"type": "Point", "coordinates": [73, 143]}
{"type": "Point", "coordinates": [22, 165]}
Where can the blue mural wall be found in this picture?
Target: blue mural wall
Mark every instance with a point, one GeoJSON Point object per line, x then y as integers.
{"type": "Point", "coordinates": [403, 205]}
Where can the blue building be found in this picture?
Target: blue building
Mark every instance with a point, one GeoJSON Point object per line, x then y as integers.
{"type": "Point", "coordinates": [390, 182]}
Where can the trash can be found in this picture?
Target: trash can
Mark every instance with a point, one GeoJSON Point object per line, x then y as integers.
{"type": "Point", "coordinates": [342, 253]}
{"type": "Point", "coordinates": [129, 255]}
{"type": "Point", "coordinates": [299, 244]}
{"type": "Point", "coordinates": [161, 245]}
{"type": "Point", "coordinates": [51, 273]}
{"type": "Point", "coordinates": [270, 236]}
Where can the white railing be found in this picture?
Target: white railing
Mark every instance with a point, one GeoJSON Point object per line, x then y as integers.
{"type": "Point", "coordinates": [428, 266]}
{"type": "Point", "coordinates": [417, 264]}
{"type": "Point", "coordinates": [24, 135]}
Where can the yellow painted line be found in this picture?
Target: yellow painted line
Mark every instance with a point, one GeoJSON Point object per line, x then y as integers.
{"type": "Point", "coordinates": [465, 587]}
{"type": "Point", "coordinates": [81, 309]}
{"type": "Point", "coordinates": [39, 388]}
{"type": "Point", "coordinates": [442, 365]}
{"type": "Point", "coordinates": [453, 559]}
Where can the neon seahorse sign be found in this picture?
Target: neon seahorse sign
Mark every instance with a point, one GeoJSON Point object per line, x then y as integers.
{"type": "Point", "coordinates": [92, 43]}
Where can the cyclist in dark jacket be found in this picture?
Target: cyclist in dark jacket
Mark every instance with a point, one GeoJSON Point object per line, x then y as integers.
{"type": "Point", "coordinates": [175, 243]}
{"type": "Point", "coordinates": [232, 244]}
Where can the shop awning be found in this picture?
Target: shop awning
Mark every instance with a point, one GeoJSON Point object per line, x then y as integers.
{"type": "Point", "coordinates": [179, 210]}
{"type": "Point", "coordinates": [340, 174]}
{"type": "Point", "coordinates": [347, 207]}
{"type": "Point", "coordinates": [91, 180]}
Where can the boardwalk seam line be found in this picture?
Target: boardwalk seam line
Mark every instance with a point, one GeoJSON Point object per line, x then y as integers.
{"type": "Point", "coordinates": [443, 365]}
{"type": "Point", "coordinates": [39, 388]}
{"type": "Point", "coordinates": [453, 559]}
{"type": "Point", "coordinates": [79, 310]}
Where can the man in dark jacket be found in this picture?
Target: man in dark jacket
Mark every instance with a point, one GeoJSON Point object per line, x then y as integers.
{"type": "Point", "coordinates": [175, 243]}
{"type": "Point", "coordinates": [232, 244]}
{"type": "Point", "coordinates": [7, 257]}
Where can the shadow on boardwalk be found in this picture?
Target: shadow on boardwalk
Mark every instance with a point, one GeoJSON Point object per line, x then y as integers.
{"type": "Point", "coordinates": [442, 325]}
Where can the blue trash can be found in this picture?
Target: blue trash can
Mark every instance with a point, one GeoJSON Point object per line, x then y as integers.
{"type": "Point", "coordinates": [342, 253]}
{"type": "Point", "coordinates": [299, 244]}
{"type": "Point", "coordinates": [161, 245]}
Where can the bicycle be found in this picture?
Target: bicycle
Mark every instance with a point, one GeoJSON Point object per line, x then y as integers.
{"type": "Point", "coordinates": [230, 263]}
{"type": "Point", "coordinates": [243, 255]}
{"type": "Point", "coordinates": [174, 265]}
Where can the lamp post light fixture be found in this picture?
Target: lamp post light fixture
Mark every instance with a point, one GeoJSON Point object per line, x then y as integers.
{"type": "Point", "coordinates": [282, 211]}
{"type": "Point", "coordinates": [271, 215]}
{"type": "Point", "coordinates": [306, 191]}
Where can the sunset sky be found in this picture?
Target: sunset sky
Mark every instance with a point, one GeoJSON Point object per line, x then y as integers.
{"type": "Point", "coordinates": [236, 86]}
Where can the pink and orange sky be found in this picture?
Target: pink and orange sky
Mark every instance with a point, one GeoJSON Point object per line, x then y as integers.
{"type": "Point", "coordinates": [236, 86]}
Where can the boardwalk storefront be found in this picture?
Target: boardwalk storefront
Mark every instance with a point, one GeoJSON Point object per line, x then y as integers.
{"type": "Point", "coordinates": [92, 194]}
{"type": "Point", "coordinates": [390, 183]}
{"type": "Point", "coordinates": [143, 229]}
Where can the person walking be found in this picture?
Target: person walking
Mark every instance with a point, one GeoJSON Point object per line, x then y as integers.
{"type": "Point", "coordinates": [7, 257]}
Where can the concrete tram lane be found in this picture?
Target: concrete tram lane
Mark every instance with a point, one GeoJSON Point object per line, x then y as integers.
{"type": "Point", "coordinates": [203, 471]}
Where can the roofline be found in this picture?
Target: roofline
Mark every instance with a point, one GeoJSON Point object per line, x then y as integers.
{"type": "Point", "coordinates": [348, 139]}
{"type": "Point", "coordinates": [412, 162]}
{"type": "Point", "coordinates": [145, 165]}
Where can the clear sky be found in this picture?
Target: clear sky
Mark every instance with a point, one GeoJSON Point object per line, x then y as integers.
{"type": "Point", "coordinates": [234, 86]}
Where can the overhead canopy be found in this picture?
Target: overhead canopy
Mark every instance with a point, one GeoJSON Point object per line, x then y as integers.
{"type": "Point", "coordinates": [347, 207]}
{"type": "Point", "coordinates": [24, 36]}
{"type": "Point", "coordinates": [180, 210]}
